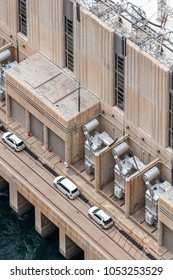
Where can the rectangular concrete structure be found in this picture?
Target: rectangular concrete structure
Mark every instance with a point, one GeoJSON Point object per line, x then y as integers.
{"type": "Point", "coordinates": [52, 102]}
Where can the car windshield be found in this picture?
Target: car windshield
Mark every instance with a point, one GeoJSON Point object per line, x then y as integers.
{"type": "Point", "coordinates": [60, 180]}
{"type": "Point", "coordinates": [96, 210]}
{"type": "Point", "coordinates": [9, 135]}
{"type": "Point", "coordinates": [19, 144]}
{"type": "Point", "coordinates": [75, 190]}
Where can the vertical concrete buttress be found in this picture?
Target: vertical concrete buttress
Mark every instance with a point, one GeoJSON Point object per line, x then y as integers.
{"type": "Point", "coordinates": [97, 172]}
{"type": "Point", "coordinates": [17, 202]}
{"type": "Point", "coordinates": [68, 151]}
{"type": "Point", "coordinates": [127, 198]}
{"type": "Point", "coordinates": [66, 246]}
{"type": "Point", "coordinates": [27, 120]}
{"type": "Point", "coordinates": [42, 224]}
{"type": "Point", "coordinates": [8, 106]}
{"type": "Point", "coordinates": [160, 233]}
{"type": "Point", "coordinates": [46, 137]}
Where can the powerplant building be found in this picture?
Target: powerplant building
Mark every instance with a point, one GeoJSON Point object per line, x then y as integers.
{"type": "Point", "coordinates": [93, 81]}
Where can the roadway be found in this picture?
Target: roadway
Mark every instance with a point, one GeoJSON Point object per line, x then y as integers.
{"type": "Point", "coordinates": [40, 179]}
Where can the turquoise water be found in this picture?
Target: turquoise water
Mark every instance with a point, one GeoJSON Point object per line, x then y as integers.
{"type": "Point", "coordinates": [20, 241]}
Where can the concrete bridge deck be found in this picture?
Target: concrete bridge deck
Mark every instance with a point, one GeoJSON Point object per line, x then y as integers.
{"type": "Point", "coordinates": [31, 184]}
{"type": "Point", "coordinates": [29, 179]}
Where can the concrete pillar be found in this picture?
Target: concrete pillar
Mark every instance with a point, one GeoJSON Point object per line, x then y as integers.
{"type": "Point", "coordinates": [42, 224]}
{"type": "Point", "coordinates": [127, 197]}
{"type": "Point", "coordinates": [8, 106]}
{"type": "Point", "coordinates": [27, 121]}
{"type": "Point", "coordinates": [17, 202]}
{"type": "Point", "coordinates": [68, 147]}
{"type": "Point", "coordinates": [46, 137]}
{"type": "Point", "coordinates": [13, 196]}
{"type": "Point", "coordinates": [97, 172]}
{"type": "Point", "coordinates": [66, 246]}
{"type": "Point", "coordinates": [160, 233]}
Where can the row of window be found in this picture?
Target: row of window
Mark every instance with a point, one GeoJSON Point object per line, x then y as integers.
{"type": "Point", "coordinates": [22, 17]}
{"type": "Point", "coordinates": [69, 44]}
{"type": "Point", "coordinates": [119, 82]}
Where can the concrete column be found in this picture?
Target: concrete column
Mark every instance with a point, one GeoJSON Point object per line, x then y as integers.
{"type": "Point", "coordinates": [17, 202]}
{"type": "Point", "coordinates": [13, 196]}
{"type": "Point", "coordinates": [66, 246]}
{"type": "Point", "coordinates": [42, 224]}
{"type": "Point", "coordinates": [27, 121]}
{"type": "Point", "coordinates": [160, 233]}
{"type": "Point", "coordinates": [97, 172]}
{"type": "Point", "coordinates": [127, 197]}
{"type": "Point", "coordinates": [46, 137]}
{"type": "Point", "coordinates": [68, 148]}
{"type": "Point", "coordinates": [8, 106]}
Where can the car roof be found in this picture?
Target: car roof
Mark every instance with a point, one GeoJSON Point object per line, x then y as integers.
{"type": "Point", "coordinates": [103, 214]}
{"type": "Point", "coordinates": [100, 212]}
{"type": "Point", "coordinates": [67, 183]}
{"type": "Point", "coordinates": [15, 138]}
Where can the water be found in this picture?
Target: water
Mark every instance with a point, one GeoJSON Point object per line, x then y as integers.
{"type": "Point", "coordinates": [20, 241]}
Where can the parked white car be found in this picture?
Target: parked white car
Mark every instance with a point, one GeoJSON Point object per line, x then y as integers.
{"type": "Point", "coordinates": [14, 141]}
{"type": "Point", "coordinates": [100, 217]}
{"type": "Point", "coordinates": [66, 186]}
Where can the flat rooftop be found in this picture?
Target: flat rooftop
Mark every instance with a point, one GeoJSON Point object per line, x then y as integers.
{"type": "Point", "coordinates": [54, 87]}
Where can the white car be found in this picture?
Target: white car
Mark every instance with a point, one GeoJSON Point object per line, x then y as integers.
{"type": "Point", "coordinates": [100, 217]}
{"type": "Point", "coordinates": [12, 140]}
{"type": "Point", "coordinates": [66, 186]}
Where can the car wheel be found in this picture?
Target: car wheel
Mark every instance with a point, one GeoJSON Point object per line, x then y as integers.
{"type": "Point", "coordinates": [3, 140]}
{"type": "Point", "coordinates": [89, 216]}
{"type": "Point", "coordinates": [101, 226]}
{"type": "Point", "coordinates": [54, 185]}
{"type": "Point", "coordinates": [67, 195]}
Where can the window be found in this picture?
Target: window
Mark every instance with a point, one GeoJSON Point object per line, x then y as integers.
{"type": "Point", "coordinates": [171, 118]}
{"type": "Point", "coordinates": [119, 82]}
{"type": "Point", "coordinates": [22, 17]}
{"type": "Point", "coordinates": [63, 187]}
{"type": "Point", "coordinates": [69, 44]}
{"type": "Point", "coordinates": [98, 217]}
